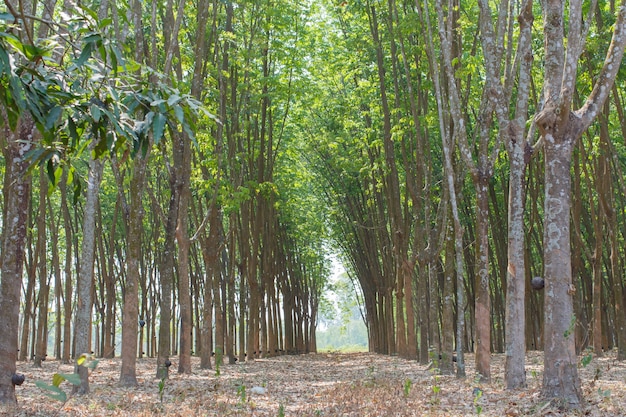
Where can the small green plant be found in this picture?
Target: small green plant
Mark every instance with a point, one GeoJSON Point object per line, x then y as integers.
{"type": "Point", "coordinates": [478, 393]}
{"type": "Point", "coordinates": [241, 393]}
{"type": "Point", "coordinates": [586, 360]}
{"type": "Point", "coordinates": [407, 387]}
{"type": "Point", "coordinates": [161, 388]}
{"type": "Point", "coordinates": [281, 410]}
{"type": "Point", "coordinates": [434, 359]}
{"type": "Point", "coordinates": [54, 390]}
{"type": "Point", "coordinates": [604, 393]}
{"type": "Point", "coordinates": [436, 390]}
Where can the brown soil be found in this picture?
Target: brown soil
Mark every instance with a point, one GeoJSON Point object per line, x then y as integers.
{"type": "Point", "coordinates": [325, 384]}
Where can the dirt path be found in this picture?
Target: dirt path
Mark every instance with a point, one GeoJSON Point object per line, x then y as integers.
{"type": "Point", "coordinates": [359, 384]}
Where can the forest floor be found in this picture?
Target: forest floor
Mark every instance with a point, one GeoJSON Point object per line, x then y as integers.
{"type": "Point", "coordinates": [324, 384]}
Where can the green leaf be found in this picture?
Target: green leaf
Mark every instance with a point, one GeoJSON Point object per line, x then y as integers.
{"type": "Point", "coordinates": [105, 22]}
{"type": "Point", "coordinates": [73, 379]}
{"type": "Point", "coordinates": [180, 114]}
{"type": "Point", "coordinates": [95, 38]}
{"type": "Point", "coordinates": [158, 125]}
{"type": "Point", "coordinates": [58, 173]}
{"type": "Point", "coordinates": [92, 364]}
{"type": "Point", "coordinates": [95, 113]}
{"type": "Point", "coordinates": [52, 116]}
{"type": "Point", "coordinates": [157, 102]}
{"type": "Point", "coordinates": [50, 168]}
{"type": "Point", "coordinates": [114, 62]}
{"type": "Point", "coordinates": [71, 125]}
{"type": "Point", "coordinates": [85, 54]}
{"type": "Point", "coordinates": [173, 99]}
{"type": "Point", "coordinates": [70, 175]}
{"type": "Point", "coordinates": [13, 41]}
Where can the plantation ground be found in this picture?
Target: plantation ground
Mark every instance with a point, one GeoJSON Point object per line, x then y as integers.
{"type": "Point", "coordinates": [325, 384]}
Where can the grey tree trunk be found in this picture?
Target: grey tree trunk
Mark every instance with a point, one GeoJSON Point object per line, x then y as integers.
{"type": "Point", "coordinates": [85, 278]}
{"type": "Point", "coordinates": [561, 128]}
{"type": "Point", "coordinates": [504, 73]}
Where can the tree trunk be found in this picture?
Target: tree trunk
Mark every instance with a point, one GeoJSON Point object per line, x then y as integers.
{"type": "Point", "coordinates": [184, 161]}
{"type": "Point", "coordinates": [447, 308]}
{"type": "Point", "coordinates": [561, 128]}
{"type": "Point", "coordinates": [560, 378]}
{"type": "Point", "coordinates": [16, 193]}
{"type": "Point", "coordinates": [134, 233]}
{"type": "Point", "coordinates": [58, 285]}
{"type": "Point", "coordinates": [85, 281]}
{"type": "Point", "coordinates": [515, 340]}
{"type": "Point", "coordinates": [67, 304]}
{"type": "Point", "coordinates": [482, 301]}
{"type": "Point", "coordinates": [29, 300]}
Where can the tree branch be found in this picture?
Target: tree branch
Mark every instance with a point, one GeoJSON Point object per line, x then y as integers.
{"type": "Point", "coordinates": [612, 62]}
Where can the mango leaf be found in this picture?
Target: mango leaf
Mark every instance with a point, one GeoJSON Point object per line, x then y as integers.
{"type": "Point", "coordinates": [13, 41]}
{"type": "Point", "coordinates": [93, 38]}
{"type": "Point", "coordinates": [53, 116]}
{"type": "Point", "coordinates": [32, 52]}
{"type": "Point", "coordinates": [157, 102]}
{"type": "Point", "coordinates": [84, 55]}
{"type": "Point", "coordinates": [105, 22]}
{"type": "Point", "coordinates": [70, 175]}
{"type": "Point", "coordinates": [95, 113]}
{"type": "Point", "coordinates": [158, 125]}
{"type": "Point", "coordinates": [50, 168]}
{"type": "Point", "coordinates": [173, 99]}
{"type": "Point", "coordinates": [180, 114]}
{"type": "Point", "coordinates": [92, 364]}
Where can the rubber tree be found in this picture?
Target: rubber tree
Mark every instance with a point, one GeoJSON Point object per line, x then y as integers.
{"type": "Point", "coordinates": [18, 136]}
{"type": "Point", "coordinates": [561, 127]}
{"type": "Point", "coordinates": [502, 72]}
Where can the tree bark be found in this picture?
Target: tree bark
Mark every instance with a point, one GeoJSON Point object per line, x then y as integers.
{"type": "Point", "coordinates": [85, 280]}
{"type": "Point", "coordinates": [560, 128]}
{"type": "Point", "coordinates": [560, 374]}
{"type": "Point", "coordinates": [16, 193]}
{"type": "Point", "coordinates": [68, 290]}
{"type": "Point", "coordinates": [184, 161]}
{"type": "Point", "coordinates": [41, 341]}
{"type": "Point", "coordinates": [134, 232]}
